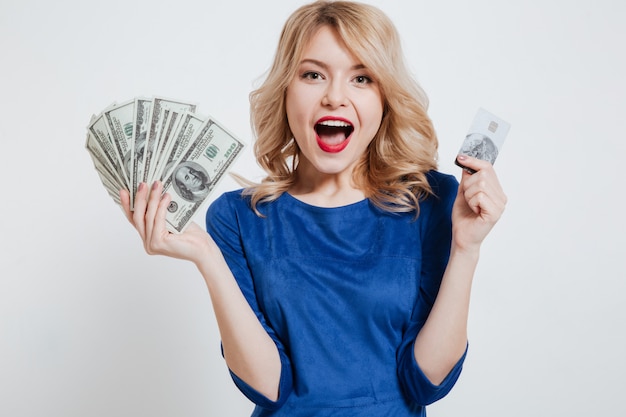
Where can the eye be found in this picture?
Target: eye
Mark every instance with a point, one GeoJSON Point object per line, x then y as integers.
{"type": "Point", "coordinates": [362, 79]}
{"type": "Point", "coordinates": [312, 75]}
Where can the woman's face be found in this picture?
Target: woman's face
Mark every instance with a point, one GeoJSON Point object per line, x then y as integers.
{"type": "Point", "coordinates": [334, 106]}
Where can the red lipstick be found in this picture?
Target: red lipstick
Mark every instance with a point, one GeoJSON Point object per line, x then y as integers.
{"type": "Point", "coordinates": [333, 133]}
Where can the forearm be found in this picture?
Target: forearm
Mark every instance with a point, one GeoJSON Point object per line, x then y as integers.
{"type": "Point", "coordinates": [443, 338]}
{"type": "Point", "coordinates": [248, 350]}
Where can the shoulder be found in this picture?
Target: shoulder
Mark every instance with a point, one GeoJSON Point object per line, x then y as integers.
{"type": "Point", "coordinates": [230, 199]}
{"type": "Point", "coordinates": [227, 207]}
{"type": "Point", "coordinates": [444, 191]}
{"type": "Point", "coordinates": [444, 186]}
{"type": "Point", "coordinates": [238, 193]}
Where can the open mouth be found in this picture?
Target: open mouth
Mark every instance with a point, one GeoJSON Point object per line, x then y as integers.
{"type": "Point", "coordinates": [333, 134]}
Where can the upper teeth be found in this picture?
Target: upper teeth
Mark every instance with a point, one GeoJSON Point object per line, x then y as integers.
{"type": "Point", "coordinates": [335, 123]}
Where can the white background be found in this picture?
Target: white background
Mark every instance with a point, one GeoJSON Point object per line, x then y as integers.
{"type": "Point", "coordinates": [92, 326]}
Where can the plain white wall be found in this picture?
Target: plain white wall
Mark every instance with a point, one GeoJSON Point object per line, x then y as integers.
{"type": "Point", "coordinates": [92, 326]}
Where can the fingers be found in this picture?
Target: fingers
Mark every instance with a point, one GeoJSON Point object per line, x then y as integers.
{"type": "Point", "coordinates": [139, 213]}
{"type": "Point", "coordinates": [125, 200]}
{"type": "Point", "coordinates": [152, 205]}
{"type": "Point", "coordinates": [482, 190]}
{"type": "Point", "coordinates": [155, 219]}
{"type": "Point", "coordinates": [479, 204]}
{"type": "Point", "coordinates": [483, 204]}
{"type": "Point", "coordinates": [148, 215]}
{"type": "Point", "coordinates": [149, 219]}
{"type": "Point", "coordinates": [471, 164]}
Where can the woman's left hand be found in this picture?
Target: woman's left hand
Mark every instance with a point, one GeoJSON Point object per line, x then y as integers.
{"type": "Point", "coordinates": [479, 204]}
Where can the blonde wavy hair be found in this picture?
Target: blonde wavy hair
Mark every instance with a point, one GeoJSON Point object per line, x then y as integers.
{"type": "Point", "coordinates": [392, 172]}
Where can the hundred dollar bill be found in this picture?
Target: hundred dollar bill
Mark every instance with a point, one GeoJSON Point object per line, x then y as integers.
{"type": "Point", "coordinates": [484, 138]}
{"type": "Point", "coordinates": [140, 131]}
{"type": "Point", "coordinates": [109, 178]}
{"type": "Point", "coordinates": [110, 185]}
{"type": "Point", "coordinates": [102, 137]}
{"type": "Point", "coordinates": [197, 171]}
{"type": "Point", "coordinates": [189, 153]}
{"type": "Point", "coordinates": [120, 121]}
{"type": "Point", "coordinates": [152, 158]}
{"type": "Point", "coordinates": [187, 129]}
{"type": "Point", "coordinates": [101, 162]}
{"type": "Point", "coordinates": [166, 135]}
{"type": "Point", "coordinates": [159, 110]}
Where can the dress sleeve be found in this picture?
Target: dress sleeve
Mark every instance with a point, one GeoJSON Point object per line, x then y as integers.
{"type": "Point", "coordinates": [436, 233]}
{"type": "Point", "coordinates": [222, 224]}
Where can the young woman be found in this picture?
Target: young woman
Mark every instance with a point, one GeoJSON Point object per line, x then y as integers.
{"type": "Point", "coordinates": [341, 283]}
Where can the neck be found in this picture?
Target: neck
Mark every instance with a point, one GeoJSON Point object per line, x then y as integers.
{"type": "Point", "coordinates": [325, 190]}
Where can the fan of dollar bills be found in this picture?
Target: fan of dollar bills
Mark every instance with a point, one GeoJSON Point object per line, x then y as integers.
{"type": "Point", "coordinates": [157, 139]}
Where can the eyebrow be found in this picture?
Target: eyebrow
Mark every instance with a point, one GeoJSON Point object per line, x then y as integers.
{"type": "Point", "coordinates": [325, 66]}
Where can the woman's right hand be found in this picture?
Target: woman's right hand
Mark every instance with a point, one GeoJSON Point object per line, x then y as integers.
{"type": "Point", "coordinates": [148, 218]}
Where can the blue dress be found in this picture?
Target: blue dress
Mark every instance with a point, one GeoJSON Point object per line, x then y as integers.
{"type": "Point", "coordinates": [343, 292]}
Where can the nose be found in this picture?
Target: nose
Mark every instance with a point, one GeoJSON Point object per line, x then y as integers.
{"type": "Point", "coordinates": [335, 95]}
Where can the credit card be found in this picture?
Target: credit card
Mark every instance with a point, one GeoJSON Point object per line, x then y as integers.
{"type": "Point", "coordinates": [484, 138]}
